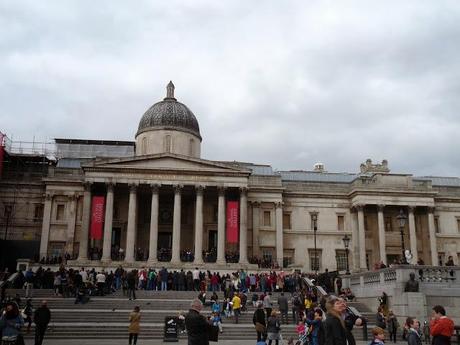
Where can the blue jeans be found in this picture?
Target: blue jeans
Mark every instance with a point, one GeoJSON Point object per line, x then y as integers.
{"type": "Point", "coordinates": [164, 286]}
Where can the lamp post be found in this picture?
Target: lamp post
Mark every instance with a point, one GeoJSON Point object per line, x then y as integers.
{"type": "Point", "coordinates": [346, 243]}
{"type": "Point", "coordinates": [314, 218]}
{"type": "Point", "coordinates": [401, 217]}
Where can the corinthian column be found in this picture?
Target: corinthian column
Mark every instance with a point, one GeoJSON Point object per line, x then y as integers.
{"type": "Point", "coordinates": [221, 226]}
{"type": "Point", "coordinates": [432, 231]}
{"type": "Point", "coordinates": [176, 225]}
{"type": "Point", "coordinates": [46, 225]}
{"type": "Point", "coordinates": [255, 229]}
{"type": "Point", "coordinates": [243, 226]}
{"type": "Point", "coordinates": [83, 251]}
{"type": "Point", "coordinates": [199, 225]}
{"type": "Point", "coordinates": [131, 231]}
{"type": "Point", "coordinates": [153, 242]}
{"type": "Point", "coordinates": [107, 246]}
{"type": "Point", "coordinates": [362, 238]}
{"type": "Point", "coordinates": [413, 235]}
{"type": "Point", "coordinates": [382, 239]}
{"type": "Point", "coordinates": [279, 234]}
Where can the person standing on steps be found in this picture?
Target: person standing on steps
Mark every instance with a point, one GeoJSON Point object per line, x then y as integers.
{"type": "Point", "coordinates": [131, 282]}
{"type": "Point", "coordinates": [198, 328]}
{"type": "Point", "coordinates": [134, 325]}
{"type": "Point", "coordinates": [42, 317]}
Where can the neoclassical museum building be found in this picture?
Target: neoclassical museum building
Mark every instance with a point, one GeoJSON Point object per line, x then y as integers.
{"type": "Point", "coordinates": [156, 202]}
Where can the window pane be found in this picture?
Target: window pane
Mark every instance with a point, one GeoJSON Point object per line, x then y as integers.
{"type": "Point", "coordinates": [286, 220]}
{"type": "Point", "coordinates": [340, 223]}
{"type": "Point", "coordinates": [267, 221]}
{"type": "Point", "coordinates": [60, 212]}
{"type": "Point", "coordinates": [341, 258]}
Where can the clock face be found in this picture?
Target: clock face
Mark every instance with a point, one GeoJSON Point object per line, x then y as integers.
{"type": "Point", "coordinates": [165, 216]}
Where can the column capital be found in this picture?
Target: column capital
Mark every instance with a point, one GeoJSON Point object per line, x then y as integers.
{"type": "Point", "coordinates": [110, 186]}
{"type": "Point", "coordinates": [132, 187]}
{"type": "Point", "coordinates": [48, 196]}
{"type": "Point", "coordinates": [279, 204]}
{"type": "Point", "coordinates": [87, 186]}
{"type": "Point", "coordinates": [411, 209]}
{"type": "Point", "coordinates": [178, 188]}
{"type": "Point", "coordinates": [359, 207]}
{"type": "Point", "coordinates": [155, 187]}
{"type": "Point", "coordinates": [431, 209]}
{"type": "Point", "coordinates": [200, 189]}
{"type": "Point", "coordinates": [381, 207]}
{"type": "Point", "coordinates": [255, 204]}
{"type": "Point", "coordinates": [243, 190]}
{"type": "Point", "coordinates": [221, 190]}
{"type": "Point", "coordinates": [72, 197]}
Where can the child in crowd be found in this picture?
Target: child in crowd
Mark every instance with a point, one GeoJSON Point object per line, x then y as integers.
{"type": "Point", "coordinates": [217, 321]}
{"type": "Point", "coordinates": [379, 336]}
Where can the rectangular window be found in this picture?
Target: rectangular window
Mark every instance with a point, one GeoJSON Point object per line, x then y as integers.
{"type": "Point", "coordinates": [458, 225]}
{"type": "Point", "coordinates": [267, 218]}
{"type": "Point", "coordinates": [38, 212]}
{"type": "Point", "coordinates": [436, 225]}
{"type": "Point", "coordinates": [341, 258]}
{"type": "Point", "coordinates": [60, 208]}
{"type": "Point", "coordinates": [286, 220]}
{"type": "Point", "coordinates": [366, 225]}
{"type": "Point", "coordinates": [267, 255]}
{"type": "Point", "coordinates": [388, 224]}
{"type": "Point", "coordinates": [315, 259]}
{"type": "Point", "coordinates": [341, 222]}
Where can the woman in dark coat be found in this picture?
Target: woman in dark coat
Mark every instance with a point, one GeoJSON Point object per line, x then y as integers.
{"type": "Point", "coordinates": [259, 321]}
{"type": "Point", "coordinates": [335, 329]}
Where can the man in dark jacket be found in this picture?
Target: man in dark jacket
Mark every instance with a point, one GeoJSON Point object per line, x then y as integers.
{"type": "Point", "coordinates": [198, 328]}
{"type": "Point", "coordinates": [283, 306]}
{"type": "Point", "coordinates": [42, 318]}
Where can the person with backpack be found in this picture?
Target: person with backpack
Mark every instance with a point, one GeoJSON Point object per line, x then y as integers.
{"type": "Point", "coordinates": [296, 304]}
{"type": "Point", "coordinates": [273, 328]}
{"type": "Point", "coordinates": [259, 321]}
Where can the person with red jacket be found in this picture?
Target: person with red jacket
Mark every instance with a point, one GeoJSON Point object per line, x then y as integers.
{"type": "Point", "coordinates": [441, 327]}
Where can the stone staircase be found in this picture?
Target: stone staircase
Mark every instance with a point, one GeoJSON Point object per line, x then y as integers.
{"type": "Point", "coordinates": [107, 317]}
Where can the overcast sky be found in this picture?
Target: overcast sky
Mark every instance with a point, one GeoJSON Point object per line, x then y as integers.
{"type": "Point", "coordinates": [285, 83]}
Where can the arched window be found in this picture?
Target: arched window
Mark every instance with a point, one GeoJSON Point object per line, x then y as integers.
{"type": "Point", "coordinates": [191, 147]}
{"type": "Point", "coordinates": [168, 143]}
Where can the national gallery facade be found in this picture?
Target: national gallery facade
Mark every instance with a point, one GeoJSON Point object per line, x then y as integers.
{"type": "Point", "coordinates": [155, 202]}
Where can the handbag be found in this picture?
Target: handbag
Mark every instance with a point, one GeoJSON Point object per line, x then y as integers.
{"type": "Point", "coordinates": [260, 327]}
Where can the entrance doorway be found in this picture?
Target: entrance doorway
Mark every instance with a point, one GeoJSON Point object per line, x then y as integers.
{"type": "Point", "coordinates": [212, 240]}
{"type": "Point", "coordinates": [116, 237]}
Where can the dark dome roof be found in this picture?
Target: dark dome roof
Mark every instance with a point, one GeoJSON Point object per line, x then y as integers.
{"type": "Point", "coordinates": [169, 114]}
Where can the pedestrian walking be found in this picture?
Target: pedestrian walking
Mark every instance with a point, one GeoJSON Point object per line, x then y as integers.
{"type": "Point", "coordinates": [11, 323]}
{"type": "Point", "coordinates": [283, 307]}
{"type": "Point", "coordinates": [381, 319]}
{"type": "Point", "coordinates": [335, 328]}
{"type": "Point", "coordinates": [134, 325]}
{"type": "Point", "coordinates": [441, 327]}
{"type": "Point", "coordinates": [29, 277]}
{"type": "Point", "coordinates": [198, 328]}
{"type": "Point", "coordinates": [268, 305]}
{"type": "Point", "coordinates": [259, 321]}
{"type": "Point", "coordinates": [42, 317]}
{"type": "Point", "coordinates": [236, 305]}
{"type": "Point", "coordinates": [273, 328]}
{"type": "Point", "coordinates": [28, 312]}
{"type": "Point", "coordinates": [413, 333]}
{"type": "Point", "coordinates": [393, 325]}
{"type": "Point", "coordinates": [131, 283]}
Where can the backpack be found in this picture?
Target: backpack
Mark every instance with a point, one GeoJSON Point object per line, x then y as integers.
{"type": "Point", "coordinates": [297, 302]}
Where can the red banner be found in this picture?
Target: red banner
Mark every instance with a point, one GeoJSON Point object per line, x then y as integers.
{"type": "Point", "coordinates": [232, 221]}
{"type": "Point", "coordinates": [97, 217]}
{"type": "Point", "coordinates": [2, 151]}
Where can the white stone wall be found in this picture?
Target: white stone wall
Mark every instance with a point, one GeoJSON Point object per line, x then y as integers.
{"type": "Point", "coordinates": [153, 142]}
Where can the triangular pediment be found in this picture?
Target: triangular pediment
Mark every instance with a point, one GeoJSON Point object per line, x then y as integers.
{"type": "Point", "coordinates": [166, 162]}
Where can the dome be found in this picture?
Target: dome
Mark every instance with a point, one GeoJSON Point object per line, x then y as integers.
{"type": "Point", "coordinates": [169, 114]}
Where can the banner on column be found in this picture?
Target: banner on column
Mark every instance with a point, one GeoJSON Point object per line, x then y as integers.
{"type": "Point", "coordinates": [97, 217]}
{"type": "Point", "coordinates": [232, 221]}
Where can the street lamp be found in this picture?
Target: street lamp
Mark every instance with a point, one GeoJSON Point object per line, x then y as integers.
{"type": "Point", "coordinates": [401, 217]}
{"type": "Point", "coordinates": [346, 243]}
{"type": "Point", "coordinates": [314, 218]}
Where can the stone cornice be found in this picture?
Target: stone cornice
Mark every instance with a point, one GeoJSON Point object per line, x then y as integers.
{"type": "Point", "coordinates": [397, 192]}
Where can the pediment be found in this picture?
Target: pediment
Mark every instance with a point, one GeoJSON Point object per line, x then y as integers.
{"type": "Point", "coordinates": [169, 162]}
